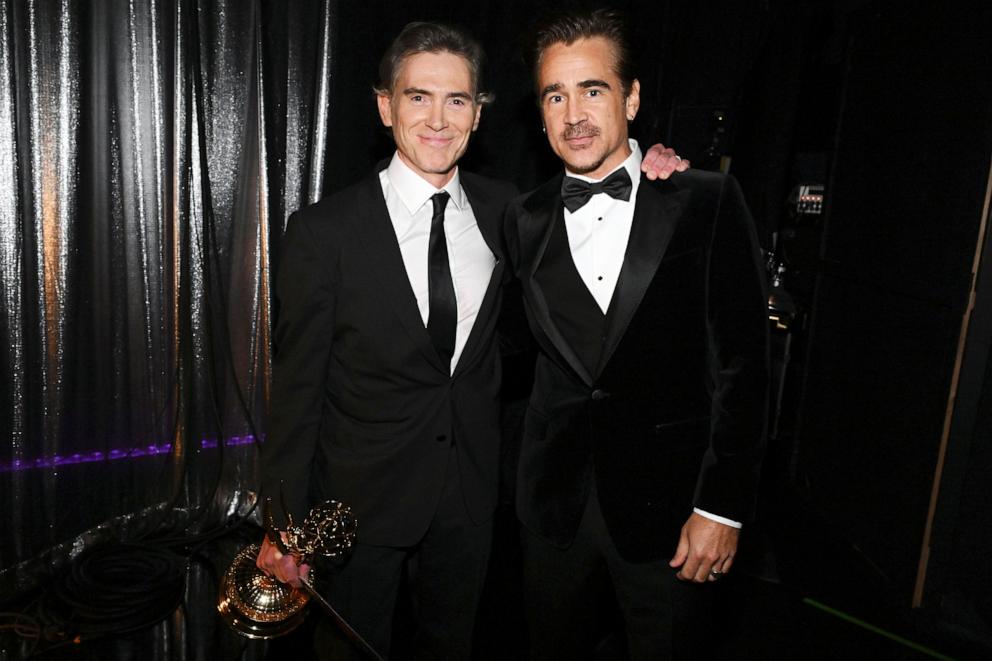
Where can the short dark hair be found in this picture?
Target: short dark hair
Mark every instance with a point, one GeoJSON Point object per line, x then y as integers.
{"type": "Point", "coordinates": [568, 27]}
{"type": "Point", "coordinates": [429, 37]}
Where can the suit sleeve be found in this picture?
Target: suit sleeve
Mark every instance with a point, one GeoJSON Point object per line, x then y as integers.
{"type": "Point", "coordinates": [303, 333]}
{"type": "Point", "coordinates": [515, 339]}
{"type": "Point", "coordinates": [737, 326]}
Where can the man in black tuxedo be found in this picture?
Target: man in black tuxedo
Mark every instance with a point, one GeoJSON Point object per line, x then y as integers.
{"type": "Point", "coordinates": [386, 371]}
{"type": "Point", "coordinates": [644, 432]}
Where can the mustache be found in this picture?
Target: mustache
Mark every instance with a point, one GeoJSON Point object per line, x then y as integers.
{"type": "Point", "coordinates": [581, 130]}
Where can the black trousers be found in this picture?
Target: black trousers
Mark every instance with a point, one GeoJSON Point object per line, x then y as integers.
{"type": "Point", "coordinates": [444, 573]}
{"type": "Point", "coordinates": [564, 590]}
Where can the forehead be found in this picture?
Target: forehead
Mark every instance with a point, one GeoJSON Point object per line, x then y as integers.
{"type": "Point", "coordinates": [583, 59]}
{"type": "Point", "coordinates": [443, 71]}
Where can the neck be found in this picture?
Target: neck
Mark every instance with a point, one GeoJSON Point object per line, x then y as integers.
{"type": "Point", "coordinates": [436, 179]}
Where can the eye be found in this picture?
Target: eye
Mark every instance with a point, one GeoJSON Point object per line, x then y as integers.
{"type": "Point", "coordinates": [594, 93]}
{"type": "Point", "coordinates": [417, 98]}
{"type": "Point", "coordinates": [555, 98]}
{"type": "Point", "coordinates": [458, 102]}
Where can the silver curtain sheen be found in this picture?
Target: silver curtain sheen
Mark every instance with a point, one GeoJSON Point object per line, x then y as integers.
{"type": "Point", "coordinates": [150, 153]}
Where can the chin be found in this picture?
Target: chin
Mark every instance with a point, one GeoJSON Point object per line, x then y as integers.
{"type": "Point", "coordinates": [583, 167]}
{"type": "Point", "coordinates": [442, 168]}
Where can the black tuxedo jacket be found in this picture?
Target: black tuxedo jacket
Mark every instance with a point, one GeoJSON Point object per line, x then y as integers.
{"type": "Point", "coordinates": [674, 415]}
{"type": "Point", "coordinates": [362, 410]}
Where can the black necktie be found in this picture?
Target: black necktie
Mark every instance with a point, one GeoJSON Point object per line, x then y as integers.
{"type": "Point", "coordinates": [443, 314]}
{"type": "Point", "coordinates": [575, 192]}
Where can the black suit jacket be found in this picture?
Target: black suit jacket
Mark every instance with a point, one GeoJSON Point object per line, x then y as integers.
{"type": "Point", "coordinates": [362, 409]}
{"type": "Point", "coordinates": [674, 415]}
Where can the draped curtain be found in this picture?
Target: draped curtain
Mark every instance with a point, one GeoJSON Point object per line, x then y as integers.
{"type": "Point", "coordinates": [150, 151]}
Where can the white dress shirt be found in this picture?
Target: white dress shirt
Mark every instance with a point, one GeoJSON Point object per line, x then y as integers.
{"type": "Point", "coordinates": [598, 233]}
{"type": "Point", "coordinates": [408, 199]}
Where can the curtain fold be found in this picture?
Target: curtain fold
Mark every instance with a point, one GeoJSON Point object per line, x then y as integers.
{"type": "Point", "coordinates": [150, 152]}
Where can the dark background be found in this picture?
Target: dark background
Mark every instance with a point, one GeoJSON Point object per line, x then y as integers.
{"type": "Point", "coordinates": [888, 105]}
{"type": "Point", "coordinates": [876, 489]}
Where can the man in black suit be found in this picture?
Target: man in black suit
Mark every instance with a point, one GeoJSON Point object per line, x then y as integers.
{"type": "Point", "coordinates": [644, 431]}
{"type": "Point", "coordinates": [386, 371]}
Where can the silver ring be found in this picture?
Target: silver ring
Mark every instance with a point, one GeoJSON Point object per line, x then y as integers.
{"type": "Point", "coordinates": [678, 158]}
{"type": "Point", "coordinates": [716, 574]}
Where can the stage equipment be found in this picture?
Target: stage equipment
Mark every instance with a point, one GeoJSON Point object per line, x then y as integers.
{"type": "Point", "coordinates": [806, 202]}
{"type": "Point", "coordinates": [259, 606]}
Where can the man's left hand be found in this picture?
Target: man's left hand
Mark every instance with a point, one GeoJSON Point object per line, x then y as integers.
{"type": "Point", "coordinates": [706, 549]}
{"type": "Point", "coordinates": [661, 162]}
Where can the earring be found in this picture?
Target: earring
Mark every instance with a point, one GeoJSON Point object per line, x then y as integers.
{"type": "Point", "coordinates": [544, 129]}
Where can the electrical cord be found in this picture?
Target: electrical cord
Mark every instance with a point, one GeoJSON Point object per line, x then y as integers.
{"type": "Point", "coordinates": [24, 626]}
{"type": "Point", "coordinates": [115, 588]}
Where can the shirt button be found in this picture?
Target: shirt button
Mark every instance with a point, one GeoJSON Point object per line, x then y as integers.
{"type": "Point", "coordinates": [600, 218]}
{"type": "Point", "coordinates": [600, 278]}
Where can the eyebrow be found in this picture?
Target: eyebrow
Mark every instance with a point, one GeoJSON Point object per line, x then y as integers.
{"type": "Point", "coordinates": [554, 87]}
{"type": "Point", "coordinates": [585, 84]}
{"type": "Point", "coordinates": [450, 95]}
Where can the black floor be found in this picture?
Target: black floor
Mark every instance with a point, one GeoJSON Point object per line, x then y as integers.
{"type": "Point", "coordinates": [787, 600]}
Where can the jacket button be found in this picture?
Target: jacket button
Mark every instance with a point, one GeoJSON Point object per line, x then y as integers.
{"type": "Point", "coordinates": [441, 438]}
{"type": "Point", "coordinates": [599, 395]}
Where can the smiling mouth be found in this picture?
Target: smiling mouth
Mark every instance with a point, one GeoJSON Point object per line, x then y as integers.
{"type": "Point", "coordinates": [435, 141]}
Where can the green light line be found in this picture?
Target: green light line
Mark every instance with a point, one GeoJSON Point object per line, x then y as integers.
{"type": "Point", "coordinates": [881, 632]}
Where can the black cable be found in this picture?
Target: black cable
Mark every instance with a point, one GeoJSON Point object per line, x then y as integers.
{"type": "Point", "coordinates": [115, 588]}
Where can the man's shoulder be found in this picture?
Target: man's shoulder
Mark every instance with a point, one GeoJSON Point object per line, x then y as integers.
{"type": "Point", "coordinates": [693, 180]}
{"type": "Point", "coordinates": [547, 192]}
{"type": "Point", "coordinates": [497, 189]}
{"type": "Point", "coordinates": [699, 193]}
{"type": "Point", "coordinates": [340, 204]}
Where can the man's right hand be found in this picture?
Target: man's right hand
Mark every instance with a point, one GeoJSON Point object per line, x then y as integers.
{"type": "Point", "coordinates": [283, 567]}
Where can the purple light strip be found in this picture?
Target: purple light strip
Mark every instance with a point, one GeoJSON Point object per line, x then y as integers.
{"type": "Point", "coordinates": [58, 460]}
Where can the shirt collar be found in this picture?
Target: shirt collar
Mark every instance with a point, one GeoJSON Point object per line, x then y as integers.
{"type": "Point", "coordinates": [414, 191]}
{"type": "Point", "coordinates": [632, 163]}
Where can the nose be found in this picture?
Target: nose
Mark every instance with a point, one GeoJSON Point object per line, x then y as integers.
{"type": "Point", "coordinates": [574, 112]}
{"type": "Point", "coordinates": [437, 120]}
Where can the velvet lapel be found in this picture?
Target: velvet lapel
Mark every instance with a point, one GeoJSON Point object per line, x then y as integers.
{"type": "Point", "coordinates": [545, 209]}
{"type": "Point", "coordinates": [655, 218]}
{"type": "Point", "coordinates": [375, 231]}
{"type": "Point", "coordinates": [488, 215]}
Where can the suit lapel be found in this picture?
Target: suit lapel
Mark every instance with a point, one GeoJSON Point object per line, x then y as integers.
{"type": "Point", "coordinates": [375, 230]}
{"type": "Point", "coordinates": [488, 215]}
{"type": "Point", "coordinates": [655, 219]}
{"type": "Point", "coordinates": [545, 209]}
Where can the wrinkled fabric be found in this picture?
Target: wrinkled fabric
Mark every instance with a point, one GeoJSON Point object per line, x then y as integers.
{"type": "Point", "coordinates": [150, 154]}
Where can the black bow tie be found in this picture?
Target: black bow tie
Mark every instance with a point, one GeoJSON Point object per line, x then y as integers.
{"type": "Point", "coordinates": [575, 192]}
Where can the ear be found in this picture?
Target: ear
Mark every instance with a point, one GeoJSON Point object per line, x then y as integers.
{"type": "Point", "coordinates": [633, 101]}
{"type": "Point", "coordinates": [386, 109]}
{"type": "Point", "coordinates": [478, 116]}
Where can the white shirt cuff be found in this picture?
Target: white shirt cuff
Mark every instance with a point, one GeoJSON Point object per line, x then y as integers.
{"type": "Point", "coordinates": [718, 519]}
